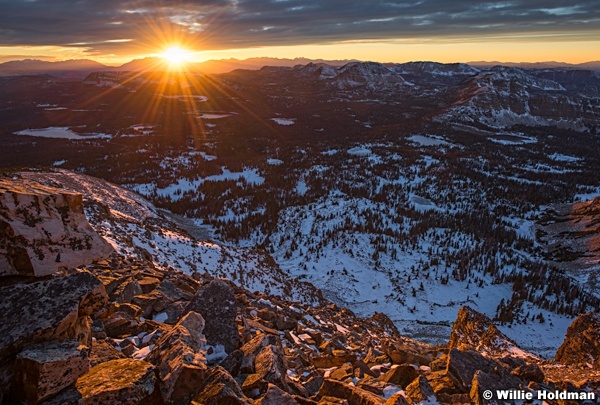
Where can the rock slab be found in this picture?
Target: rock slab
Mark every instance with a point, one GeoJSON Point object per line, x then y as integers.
{"type": "Point", "coordinates": [45, 369]}
{"type": "Point", "coordinates": [43, 229]}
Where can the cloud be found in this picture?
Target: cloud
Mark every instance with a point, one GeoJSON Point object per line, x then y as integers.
{"type": "Point", "coordinates": [103, 26]}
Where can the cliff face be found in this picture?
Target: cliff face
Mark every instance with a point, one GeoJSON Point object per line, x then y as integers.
{"type": "Point", "coordinates": [43, 229]}
{"type": "Point", "coordinates": [582, 343]}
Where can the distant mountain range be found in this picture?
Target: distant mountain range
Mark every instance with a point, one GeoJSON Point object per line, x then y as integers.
{"type": "Point", "coordinates": [593, 65]}
{"type": "Point", "coordinates": [80, 68]}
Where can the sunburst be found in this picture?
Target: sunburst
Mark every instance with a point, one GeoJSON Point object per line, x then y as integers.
{"type": "Point", "coordinates": [175, 55]}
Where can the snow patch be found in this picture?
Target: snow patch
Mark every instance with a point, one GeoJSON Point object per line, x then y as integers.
{"type": "Point", "coordinates": [61, 133]}
{"type": "Point", "coordinates": [284, 121]}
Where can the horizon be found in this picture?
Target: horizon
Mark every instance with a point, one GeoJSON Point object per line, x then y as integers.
{"type": "Point", "coordinates": [159, 57]}
{"type": "Point", "coordinates": [385, 32]}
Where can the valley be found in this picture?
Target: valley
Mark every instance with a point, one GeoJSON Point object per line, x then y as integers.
{"type": "Point", "coordinates": [410, 189]}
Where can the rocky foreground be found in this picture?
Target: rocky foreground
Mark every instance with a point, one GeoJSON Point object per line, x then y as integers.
{"type": "Point", "coordinates": [122, 331]}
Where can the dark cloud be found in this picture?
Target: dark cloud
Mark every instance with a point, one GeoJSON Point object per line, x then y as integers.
{"type": "Point", "coordinates": [216, 24]}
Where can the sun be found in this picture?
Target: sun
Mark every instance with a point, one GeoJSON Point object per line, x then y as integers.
{"type": "Point", "coordinates": [175, 55]}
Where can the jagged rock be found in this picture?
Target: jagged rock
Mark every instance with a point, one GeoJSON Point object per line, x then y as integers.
{"type": "Point", "coordinates": [276, 396]}
{"type": "Point", "coordinates": [216, 303]}
{"type": "Point", "coordinates": [47, 310]}
{"type": "Point", "coordinates": [462, 366]}
{"type": "Point", "coordinates": [179, 356]}
{"type": "Point", "coordinates": [401, 375]}
{"type": "Point", "coordinates": [582, 342]}
{"type": "Point", "coordinates": [46, 368]}
{"type": "Point", "coordinates": [385, 323]}
{"type": "Point", "coordinates": [474, 331]}
{"type": "Point", "coordinates": [219, 388]}
{"type": "Point", "coordinates": [102, 351]}
{"type": "Point", "coordinates": [419, 390]}
{"type": "Point", "coordinates": [354, 395]}
{"type": "Point", "coordinates": [117, 382]}
{"type": "Point", "coordinates": [43, 229]}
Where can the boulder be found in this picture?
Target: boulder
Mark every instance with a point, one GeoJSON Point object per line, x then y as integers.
{"type": "Point", "coordinates": [582, 342]}
{"type": "Point", "coordinates": [463, 364]}
{"type": "Point", "coordinates": [43, 229]}
{"type": "Point", "coordinates": [46, 368]}
{"type": "Point", "coordinates": [216, 303]}
{"type": "Point", "coordinates": [180, 357]}
{"type": "Point", "coordinates": [47, 310]}
{"type": "Point", "coordinates": [401, 375]}
{"type": "Point", "coordinates": [119, 382]}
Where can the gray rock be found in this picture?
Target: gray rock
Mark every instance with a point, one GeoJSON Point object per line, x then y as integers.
{"type": "Point", "coordinates": [47, 310]}
{"type": "Point", "coordinates": [463, 364]}
{"type": "Point", "coordinates": [180, 357]}
{"type": "Point", "coordinates": [216, 303]}
{"type": "Point", "coordinates": [43, 229]}
{"type": "Point", "coordinates": [582, 342]}
{"type": "Point", "coordinates": [44, 369]}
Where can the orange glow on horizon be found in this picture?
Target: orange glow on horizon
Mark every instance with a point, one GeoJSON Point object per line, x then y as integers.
{"type": "Point", "coordinates": [377, 51]}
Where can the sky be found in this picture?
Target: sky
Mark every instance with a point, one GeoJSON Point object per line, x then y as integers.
{"type": "Point", "coordinates": [116, 31]}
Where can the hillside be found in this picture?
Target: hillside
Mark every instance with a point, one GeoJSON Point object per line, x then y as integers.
{"type": "Point", "coordinates": [125, 329]}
